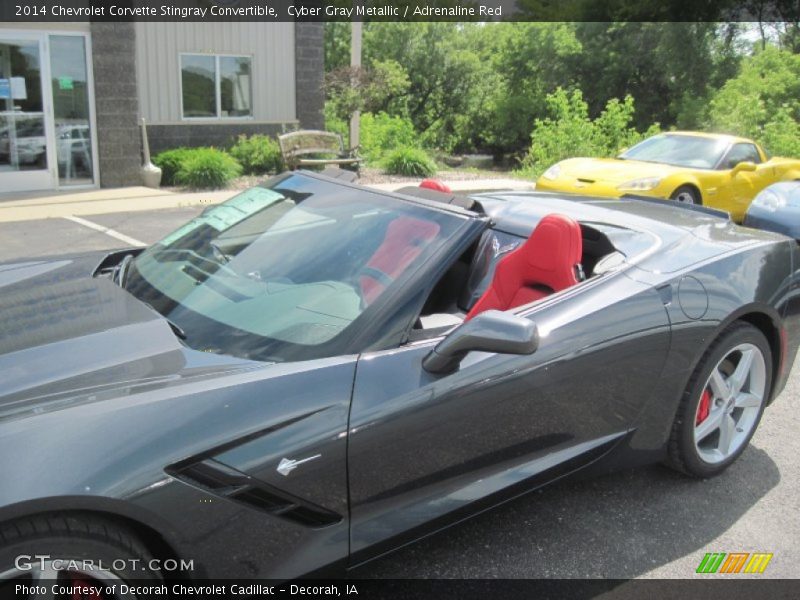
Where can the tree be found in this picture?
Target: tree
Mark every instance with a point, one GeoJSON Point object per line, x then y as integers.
{"type": "Point", "coordinates": [664, 66]}
{"type": "Point", "coordinates": [447, 78]}
{"type": "Point", "coordinates": [529, 60]}
{"type": "Point", "coordinates": [337, 45]}
{"type": "Point", "coordinates": [762, 101]}
{"type": "Point", "coordinates": [768, 82]}
{"type": "Point", "coordinates": [351, 89]}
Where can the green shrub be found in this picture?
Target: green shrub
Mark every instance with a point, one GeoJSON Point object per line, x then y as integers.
{"type": "Point", "coordinates": [569, 132]}
{"type": "Point", "coordinates": [382, 133]}
{"type": "Point", "coordinates": [207, 168]}
{"type": "Point", "coordinates": [170, 162]}
{"type": "Point", "coordinates": [258, 154]}
{"type": "Point", "coordinates": [407, 160]}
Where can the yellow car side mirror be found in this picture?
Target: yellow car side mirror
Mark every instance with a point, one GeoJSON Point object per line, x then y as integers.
{"type": "Point", "coordinates": [743, 166]}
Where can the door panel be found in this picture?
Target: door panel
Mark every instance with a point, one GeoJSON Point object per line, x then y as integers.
{"type": "Point", "coordinates": [422, 446]}
{"type": "Point", "coordinates": [71, 96]}
{"type": "Point", "coordinates": [24, 160]}
{"type": "Point", "coordinates": [746, 185]}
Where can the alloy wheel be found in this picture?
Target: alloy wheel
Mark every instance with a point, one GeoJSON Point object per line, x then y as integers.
{"type": "Point", "coordinates": [730, 403]}
{"type": "Point", "coordinates": [685, 198]}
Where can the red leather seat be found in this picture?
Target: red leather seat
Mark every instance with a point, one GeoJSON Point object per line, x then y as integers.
{"type": "Point", "coordinates": [435, 184]}
{"type": "Point", "coordinates": [405, 239]}
{"type": "Point", "coordinates": [546, 263]}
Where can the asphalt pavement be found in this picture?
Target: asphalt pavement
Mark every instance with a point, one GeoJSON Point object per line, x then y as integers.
{"type": "Point", "coordinates": [649, 522]}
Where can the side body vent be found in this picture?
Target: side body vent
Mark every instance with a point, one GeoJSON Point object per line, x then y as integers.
{"type": "Point", "coordinates": [222, 480]}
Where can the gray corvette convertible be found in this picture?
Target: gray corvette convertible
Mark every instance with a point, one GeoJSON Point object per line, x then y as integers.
{"type": "Point", "coordinates": [314, 372]}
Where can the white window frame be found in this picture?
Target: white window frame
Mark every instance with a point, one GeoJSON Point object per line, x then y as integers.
{"type": "Point", "coordinates": [217, 86]}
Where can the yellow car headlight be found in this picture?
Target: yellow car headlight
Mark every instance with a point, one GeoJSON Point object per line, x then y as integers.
{"type": "Point", "coordinates": [552, 173]}
{"type": "Point", "coordinates": [640, 185]}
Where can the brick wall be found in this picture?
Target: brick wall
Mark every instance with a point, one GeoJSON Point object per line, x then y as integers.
{"type": "Point", "coordinates": [222, 135]}
{"type": "Point", "coordinates": [116, 103]}
{"type": "Point", "coordinates": [309, 73]}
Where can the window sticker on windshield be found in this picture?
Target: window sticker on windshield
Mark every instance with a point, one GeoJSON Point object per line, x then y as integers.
{"type": "Point", "coordinates": [230, 213]}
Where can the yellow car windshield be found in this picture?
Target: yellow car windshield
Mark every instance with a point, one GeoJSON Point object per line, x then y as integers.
{"type": "Point", "coordinates": [690, 151]}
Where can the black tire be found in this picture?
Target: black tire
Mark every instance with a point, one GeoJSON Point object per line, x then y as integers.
{"type": "Point", "coordinates": [687, 191]}
{"type": "Point", "coordinates": [75, 537]}
{"type": "Point", "coordinates": [682, 455]}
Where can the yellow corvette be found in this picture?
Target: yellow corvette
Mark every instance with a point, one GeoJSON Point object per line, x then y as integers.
{"type": "Point", "coordinates": [720, 171]}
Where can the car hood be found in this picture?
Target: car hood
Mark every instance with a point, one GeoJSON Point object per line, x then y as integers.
{"type": "Point", "coordinates": [613, 170]}
{"type": "Point", "coordinates": [66, 339]}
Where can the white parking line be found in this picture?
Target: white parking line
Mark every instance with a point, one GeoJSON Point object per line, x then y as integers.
{"type": "Point", "coordinates": [107, 230]}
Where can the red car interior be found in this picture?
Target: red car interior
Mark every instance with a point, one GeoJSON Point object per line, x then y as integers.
{"type": "Point", "coordinates": [548, 262]}
{"type": "Point", "coordinates": [434, 184]}
{"type": "Point", "coordinates": [405, 239]}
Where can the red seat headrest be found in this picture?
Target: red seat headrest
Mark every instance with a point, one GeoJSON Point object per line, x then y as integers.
{"type": "Point", "coordinates": [434, 184]}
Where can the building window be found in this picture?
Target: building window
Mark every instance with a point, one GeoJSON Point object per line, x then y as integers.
{"type": "Point", "coordinates": [216, 87]}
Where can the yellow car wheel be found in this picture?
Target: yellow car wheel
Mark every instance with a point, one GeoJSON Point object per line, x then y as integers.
{"type": "Point", "coordinates": [687, 195]}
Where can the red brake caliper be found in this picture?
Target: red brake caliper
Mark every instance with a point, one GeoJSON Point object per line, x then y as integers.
{"type": "Point", "coordinates": [704, 407]}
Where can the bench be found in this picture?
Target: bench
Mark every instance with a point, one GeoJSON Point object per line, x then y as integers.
{"type": "Point", "coordinates": [298, 146]}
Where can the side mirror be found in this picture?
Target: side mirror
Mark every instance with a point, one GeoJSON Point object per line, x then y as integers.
{"type": "Point", "coordinates": [490, 331]}
{"type": "Point", "coordinates": [743, 166]}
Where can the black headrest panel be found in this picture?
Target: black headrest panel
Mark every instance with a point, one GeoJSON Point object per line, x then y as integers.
{"type": "Point", "coordinates": [433, 195]}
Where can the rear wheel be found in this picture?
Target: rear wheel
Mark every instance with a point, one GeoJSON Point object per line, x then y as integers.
{"type": "Point", "coordinates": [68, 550]}
{"type": "Point", "coordinates": [722, 404]}
{"type": "Point", "coordinates": [686, 194]}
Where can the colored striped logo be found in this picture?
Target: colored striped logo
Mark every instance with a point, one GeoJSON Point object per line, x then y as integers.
{"type": "Point", "coordinates": [734, 562]}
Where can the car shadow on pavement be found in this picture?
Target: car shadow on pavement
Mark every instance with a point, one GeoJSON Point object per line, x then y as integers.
{"type": "Point", "coordinates": [617, 526]}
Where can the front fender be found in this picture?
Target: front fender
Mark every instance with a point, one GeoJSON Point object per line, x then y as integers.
{"type": "Point", "coordinates": [673, 182]}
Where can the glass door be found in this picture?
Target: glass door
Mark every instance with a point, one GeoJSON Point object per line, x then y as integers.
{"type": "Point", "coordinates": [25, 154]}
{"type": "Point", "coordinates": [71, 104]}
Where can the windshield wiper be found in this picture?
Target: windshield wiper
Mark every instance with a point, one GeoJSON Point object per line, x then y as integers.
{"type": "Point", "coordinates": [176, 329]}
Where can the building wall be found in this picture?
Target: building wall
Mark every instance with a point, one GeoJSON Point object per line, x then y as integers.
{"type": "Point", "coordinates": [158, 49]}
{"type": "Point", "coordinates": [309, 74]}
{"type": "Point", "coordinates": [271, 46]}
{"type": "Point", "coordinates": [116, 103]}
{"type": "Point", "coordinates": [167, 137]}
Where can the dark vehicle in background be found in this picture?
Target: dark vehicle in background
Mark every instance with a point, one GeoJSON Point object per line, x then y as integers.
{"type": "Point", "coordinates": [777, 208]}
{"type": "Point", "coordinates": [314, 372]}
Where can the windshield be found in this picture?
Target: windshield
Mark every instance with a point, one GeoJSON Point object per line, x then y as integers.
{"type": "Point", "coordinates": [679, 151]}
{"type": "Point", "coordinates": [284, 271]}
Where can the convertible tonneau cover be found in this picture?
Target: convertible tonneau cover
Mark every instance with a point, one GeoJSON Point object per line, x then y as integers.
{"type": "Point", "coordinates": [706, 210]}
